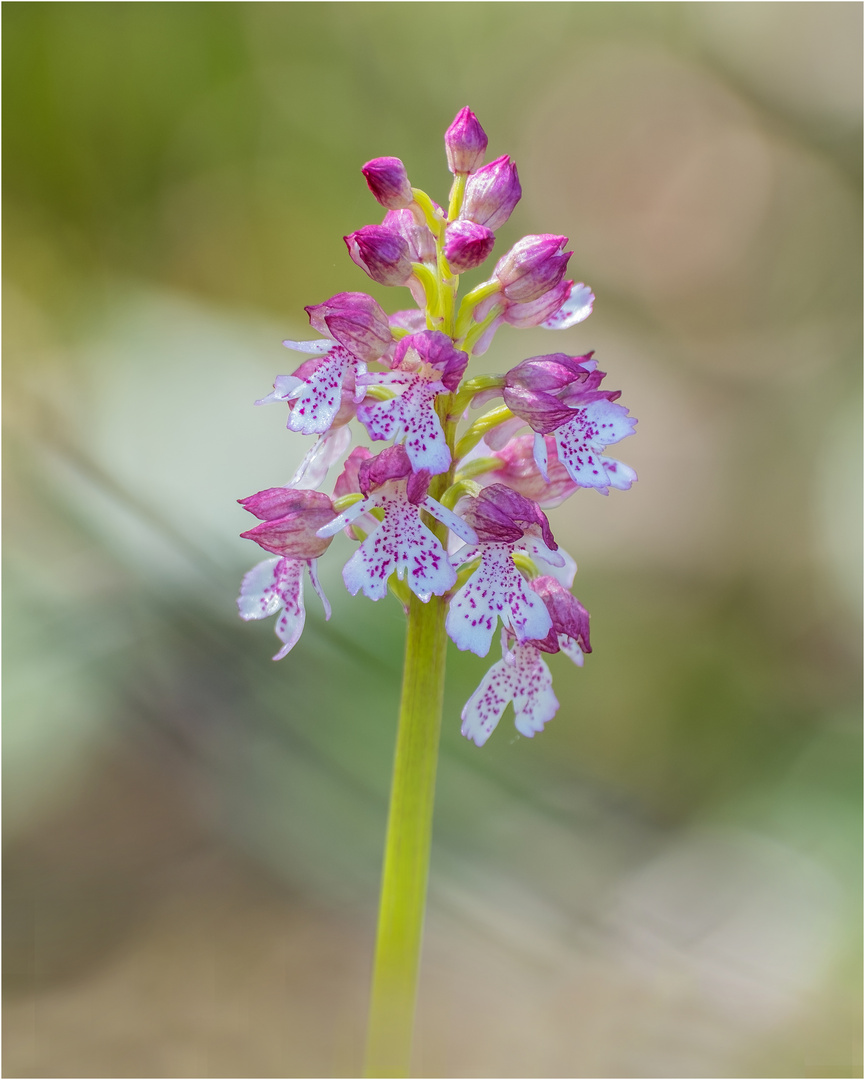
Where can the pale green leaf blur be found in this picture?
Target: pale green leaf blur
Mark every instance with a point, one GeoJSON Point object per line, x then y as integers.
{"type": "Point", "coordinates": [666, 882]}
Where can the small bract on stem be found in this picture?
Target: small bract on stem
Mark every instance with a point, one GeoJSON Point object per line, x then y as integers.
{"type": "Point", "coordinates": [449, 516]}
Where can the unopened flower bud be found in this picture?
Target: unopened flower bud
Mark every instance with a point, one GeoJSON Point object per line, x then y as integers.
{"type": "Point", "coordinates": [388, 181]}
{"type": "Point", "coordinates": [465, 142]}
{"type": "Point", "coordinates": [534, 265]}
{"type": "Point", "coordinates": [491, 193]}
{"type": "Point", "coordinates": [382, 253]}
{"type": "Point", "coordinates": [467, 245]}
{"type": "Point", "coordinates": [421, 242]}
{"type": "Point", "coordinates": [289, 521]}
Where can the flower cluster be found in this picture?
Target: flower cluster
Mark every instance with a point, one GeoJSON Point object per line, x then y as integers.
{"type": "Point", "coordinates": [449, 509]}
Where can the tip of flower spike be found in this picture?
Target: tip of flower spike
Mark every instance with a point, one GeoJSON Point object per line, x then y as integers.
{"type": "Point", "coordinates": [465, 142]}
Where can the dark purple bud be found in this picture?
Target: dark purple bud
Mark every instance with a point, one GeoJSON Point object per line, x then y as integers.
{"type": "Point", "coordinates": [465, 142]}
{"type": "Point", "coordinates": [467, 245]}
{"type": "Point", "coordinates": [501, 515]}
{"type": "Point", "coordinates": [382, 253]}
{"type": "Point", "coordinates": [290, 520]}
{"type": "Point", "coordinates": [492, 193]}
{"type": "Point", "coordinates": [567, 613]}
{"type": "Point", "coordinates": [421, 242]}
{"type": "Point", "coordinates": [533, 266]}
{"type": "Point", "coordinates": [433, 348]}
{"type": "Point", "coordinates": [388, 181]}
{"type": "Point", "coordinates": [356, 321]}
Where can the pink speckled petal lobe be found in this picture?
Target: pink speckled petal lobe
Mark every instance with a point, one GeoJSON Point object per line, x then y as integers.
{"type": "Point", "coordinates": [580, 442]}
{"type": "Point", "coordinates": [410, 416]}
{"type": "Point", "coordinates": [535, 704]}
{"type": "Point", "coordinates": [318, 400]}
{"type": "Point", "coordinates": [496, 590]}
{"type": "Point", "coordinates": [401, 544]}
{"type": "Point", "coordinates": [289, 625]}
{"type": "Point", "coordinates": [520, 677]}
{"type": "Point", "coordinates": [260, 594]}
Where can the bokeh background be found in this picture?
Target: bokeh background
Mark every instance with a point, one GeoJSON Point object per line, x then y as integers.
{"type": "Point", "coordinates": [666, 882]}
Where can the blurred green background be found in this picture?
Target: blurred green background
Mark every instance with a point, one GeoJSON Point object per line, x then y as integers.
{"type": "Point", "coordinates": [666, 882]}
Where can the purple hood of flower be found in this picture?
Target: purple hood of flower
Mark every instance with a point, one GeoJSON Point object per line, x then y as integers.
{"type": "Point", "coordinates": [501, 515]}
{"type": "Point", "coordinates": [436, 349]}
{"type": "Point", "coordinates": [392, 464]}
{"type": "Point", "coordinates": [544, 390]}
{"type": "Point", "coordinates": [356, 321]}
{"type": "Point", "coordinates": [534, 265]}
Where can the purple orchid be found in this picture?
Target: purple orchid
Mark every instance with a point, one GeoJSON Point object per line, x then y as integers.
{"type": "Point", "coordinates": [425, 365]}
{"type": "Point", "coordinates": [404, 377]}
{"type": "Point", "coordinates": [559, 394]}
{"type": "Point", "coordinates": [505, 523]}
{"type": "Point", "coordinates": [402, 544]}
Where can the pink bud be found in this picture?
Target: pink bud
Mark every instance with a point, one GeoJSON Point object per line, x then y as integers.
{"type": "Point", "coordinates": [421, 242]}
{"type": "Point", "coordinates": [388, 181]}
{"type": "Point", "coordinates": [492, 193]}
{"type": "Point", "coordinates": [465, 142]}
{"type": "Point", "coordinates": [467, 245]}
{"type": "Point", "coordinates": [382, 253]}
{"type": "Point", "coordinates": [290, 520]}
{"type": "Point", "coordinates": [533, 266]}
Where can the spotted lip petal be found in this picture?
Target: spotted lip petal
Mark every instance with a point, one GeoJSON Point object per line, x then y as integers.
{"type": "Point", "coordinates": [520, 677]}
{"type": "Point", "coordinates": [580, 442]}
{"type": "Point", "coordinates": [496, 590]}
{"type": "Point", "coordinates": [500, 514]}
{"type": "Point", "coordinates": [402, 544]}
{"type": "Point", "coordinates": [276, 586]}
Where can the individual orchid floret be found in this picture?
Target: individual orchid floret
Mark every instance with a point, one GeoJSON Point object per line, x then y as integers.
{"type": "Point", "coordinates": [401, 544]}
{"type": "Point", "coordinates": [533, 266]}
{"type": "Point", "coordinates": [465, 143]}
{"type": "Point", "coordinates": [356, 321]}
{"type": "Point", "coordinates": [425, 365]}
{"type": "Point", "coordinates": [521, 677]}
{"type": "Point", "coordinates": [389, 182]}
{"type": "Point", "coordinates": [290, 520]}
{"type": "Point", "coordinates": [570, 631]}
{"type": "Point", "coordinates": [276, 586]}
{"type": "Point", "coordinates": [318, 389]}
{"type": "Point", "coordinates": [382, 253]}
{"type": "Point", "coordinates": [559, 394]}
{"type": "Point", "coordinates": [505, 523]}
{"type": "Point", "coordinates": [467, 245]}
{"type": "Point", "coordinates": [491, 194]}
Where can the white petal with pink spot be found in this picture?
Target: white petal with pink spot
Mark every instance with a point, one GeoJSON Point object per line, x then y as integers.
{"type": "Point", "coordinates": [402, 545]}
{"type": "Point", "coordinates": [520, 677]}
{"type": "Point", "coordinates": [496, 590]}
{"type": "Point", "coordinates": [580, 444]}
{"type": "Point", "coordinates": [411, 417]}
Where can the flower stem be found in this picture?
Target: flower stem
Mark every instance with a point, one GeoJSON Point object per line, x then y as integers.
{"type": "Point", "coordinates": [409, 832]}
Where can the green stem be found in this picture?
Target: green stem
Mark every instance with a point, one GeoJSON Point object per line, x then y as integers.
{"type": "Point", "coordinates": [409, 832]}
